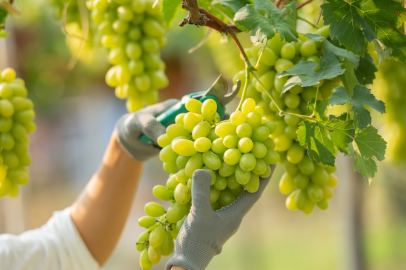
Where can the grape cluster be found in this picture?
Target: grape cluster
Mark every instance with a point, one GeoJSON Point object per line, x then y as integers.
{"type": "Point", "coordinates": [236, 152]}
{"type": "Point", "coordinates": [133, 31]}
{"type": "Point", "coordinates": [16, 121]}
{"type": "Point", "coordinates": [307, 182]}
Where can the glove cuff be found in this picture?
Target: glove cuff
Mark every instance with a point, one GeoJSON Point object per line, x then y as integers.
{"type": "Point", "coordinates": [191, 256]}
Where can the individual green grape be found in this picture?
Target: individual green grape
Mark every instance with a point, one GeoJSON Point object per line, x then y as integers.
{"type": "Point", "coordinates": [319, 176]}
{"type": "Point", "coordinates": [212, 173]}
{"type": "Point", "coordinates": [226, 170]}
{"type": "Point", "coordinates": [217, 146]}
{"type": "Point", "coordinates": [253, 185]}
{"type": "Point", "coordinates": [260, 167]}
{"type": "Point", "coordinates": [269, 143]}
{"type": "Point", "coordinates": [154, 254]}
{"type": "Point", "coordinates": [146, 222]}
{"type": "Point", "coordinates": [182, 194]}
{"type": "Point", "coordinates": [232, 182]}
{"type": "Point", "coordinates": [248, 106]}
{"type": "Point", "coordinates": [230, 141]}
{"type": "Point", "coordinates": [162, 140]}
{"type": "Point", "coordinates": [291, 100]}
{"type": "Point", "coordinates": [202, 144]}
{"type": "Point", "coordinates": [176, 130]}
{"type": "Point", "coordinates": [301, 181]}
{"type": "Point", "coordinates": [167, 245]}
{"type": "Point", "coordinates": [308, 48]}
{"type": "Point", "coordinates": [157, 236]}
{"type": "Point", "coordinates": [211, 160]}
{"type": "Point", "coordinates": [162, 193]}
{"type": "Point", "coordinates": [283, 65]}
{"type": "Point", "coordinates": [145, 263]}
{"type": "Point", "coordinates": [167, 154]}
{"type": "Point", "coordinates": [247, 162]}
{"type": "Point", "coordinates": [291, 168]}
{"type": "Point", "coordinates": [286, 184]}
{"type": "Point", "coordinates": [271, 157]}
{"type": "Point", "coordinates": [282, 143]}
{"type": "Point", "coordinates": [314, 192]}
{"type": "Point", "coordinates": [295, 153]}
{"type": "Point", "coordinates": [253, 119]}
{"type": "Point", "coordinates": [306, 166]}
{"type": "Point", "coordinates": [226, 197]}
{"type": "Point", "coordinates": [259, 150]}
{"type": "Point", "coordinates": [327, 192]}
{"type": "Point", "coordinates": [224, 129]}
{"type": "Point", "coordinates": [176, 212]}
{"type": "Point", "coordinates": [288, 51]}
{"type": "Point", "coordinates": [184, 147]}
{"type": "Point", "coordinates": [260, 134]}
{"type": "Point", "coordinates": [181, 161]}
{"type": "Point", "coordinates": [170, 167]}
{"type": "Point", "coordinates": [194, 105]}
{"type": "Point", "coordinates": [195, 162]}
{"type": "Point", "coordinates": [308, 209]}
{"type": "Point", "coordinates": [202, 129]}
{"type": "Point", "coordinates": [323, 204]}
{"type": "Point", "coordinates": [154, 209]}
{"type": "Point", "coordinates": [268, 57]}
{"type": "Point", "coordinates": [141, 241]}
{"type": "Point", "coordinates": [244, 130]}
{"type": "Point", "coordinates": [232, 156]}
{"type": "Point", "coordinates": [245, 145]}
{"type": "Point", "coordinates": [237, 118]}
{"type": "Point", "coordinates": [332, 180]}
{"type": "Point", "coordinates": [301, 199]}
{"type": "Point", "coordinates": [214, 194]}
{"type": "Point", "coordinates": [209, 109]}
{"type": "Point", "coordinates": [291, 200]}
{"type": "Point", "coordinates": [267, 81]}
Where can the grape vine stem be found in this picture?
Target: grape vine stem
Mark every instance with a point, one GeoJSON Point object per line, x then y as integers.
{"type": "Point", "coordinates": [304, 4]}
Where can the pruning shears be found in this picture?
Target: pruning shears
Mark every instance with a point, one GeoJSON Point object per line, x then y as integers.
{"type": "Point", "coordinates": [217, 92]}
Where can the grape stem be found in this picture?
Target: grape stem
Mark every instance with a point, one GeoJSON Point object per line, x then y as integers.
{"type": "Point", "coordinates": [303, 4]}
{"type": "Point", "coordinates": [260, 56]}
{"type": "Point", "coordinates": [278, 3]}
{"type": "Point", "coordinates": [244, 91]}
{"type": "Point", "coordinates": [303, 19]}
{"type": "Point", "coordinates": [320, 12]}
{"type": "Point", "coordinates": [315, 102]}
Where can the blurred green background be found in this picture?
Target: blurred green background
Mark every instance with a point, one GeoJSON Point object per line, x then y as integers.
{"type": "Point", "coordinates": [364, 227]}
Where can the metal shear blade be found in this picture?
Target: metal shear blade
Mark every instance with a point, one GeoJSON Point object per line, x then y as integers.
{"type": "Point", "coordinates": [219, 89]}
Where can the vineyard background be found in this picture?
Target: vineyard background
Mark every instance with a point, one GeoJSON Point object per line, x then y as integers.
{"type": "Point", "coordinates": [76, 113]}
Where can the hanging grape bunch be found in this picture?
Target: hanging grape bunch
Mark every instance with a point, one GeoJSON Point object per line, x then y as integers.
{"type": "Point", "coordinates": [236, 152]}
{"type": "Point", "coordinates": [16, 121]}
{"type": "Point", "coordinates": [307, 183]}
{"type": "Point", "coordinates": [133, 31]}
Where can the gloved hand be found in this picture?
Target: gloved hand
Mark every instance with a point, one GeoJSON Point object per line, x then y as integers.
{"type": "Point", "coordinates": [130, 127]}
{"type": "Point", "coordinates": [205, 231]}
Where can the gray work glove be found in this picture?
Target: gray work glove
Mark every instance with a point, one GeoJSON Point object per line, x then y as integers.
{"type": "Point", "coordinates": [205, 231]}
{"type": "Point", "coordinates": [130, 127]}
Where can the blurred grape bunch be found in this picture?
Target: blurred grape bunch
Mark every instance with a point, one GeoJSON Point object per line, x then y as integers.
{"type": "Point", "coordinates": [79, 29]}
{"type": "Point", "coordinates": [133, 31]}
{"type": "Point", "coordinates": [16, 121]}
{"type": "Point", "coordinates": [389, 86]}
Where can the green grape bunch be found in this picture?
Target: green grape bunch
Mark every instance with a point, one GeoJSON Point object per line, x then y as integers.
{"type": "Point", "coordinates": [16, 122]}
{"type": "Point", "coordinates": [133, 31]}
{"type": "Point", "coordinates": [237, 153]}
{"type": "Point", "coordinates": [305, 182]}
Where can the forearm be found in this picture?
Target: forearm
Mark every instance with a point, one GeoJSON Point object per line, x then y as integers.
{"type": "Point", "coordinates": [175, 267]}
{"type": "Point", "coordinates": [101, 211]}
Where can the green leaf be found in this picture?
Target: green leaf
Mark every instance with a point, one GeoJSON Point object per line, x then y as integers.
{"type": "Point", "coordinates": [348, 78]}
{"type": "Point", "coordinates": [367, 147]}
{"type": "Point", "coordinates": [365, 166]}
{"type": "Point", "coordinates": [362, 96]}
{"type": "Point", "coordinates": [341, 131]}
{"type": "Point", "coordinates": [252, 18]}
{"type": "Point", "coordinates": [351, 22]}
{"type": "Point", "coordinates": [170, 9]}
{"type": "Point", "coordinates": [304, 75]}
{"type": "Point", "coordinates": [339, 52]}
{"type": "Point", "coordinates": [366, 70]}
{"type": "Point", "coordinates": [320, 147]}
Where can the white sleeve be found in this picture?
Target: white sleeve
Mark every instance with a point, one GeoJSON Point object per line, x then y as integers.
{"type": "Point", "coordinates": [55, 246]}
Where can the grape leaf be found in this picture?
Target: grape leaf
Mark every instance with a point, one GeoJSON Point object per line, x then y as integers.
{"type": "Point", "coordinates": [339, 52]}
{"type": "Point", "coordinates": [304, 75]}
{"type": "Point", "coordinates": [366, 166]}
{"type": "Point", "coordinates": [341, 131]}
{"type": "Point", "coordinates": [362, 96]}
{"type": "Point", "coordinates": [320, 147]}
{"type": "Point", "coordinates": [348, 78]}
{"type": "Point", "coordinates": [375, 20]}
{"type": "Point", "coordinates": [366, 70]}
{"type": "Point", "coordinates": [170, 9]}
{"type": "Point", "coordinates": [251, 18]}
{"type": "Point", "coordinates": [367, 147]}
{"type": "Point", "coordinates": [321, 109]}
